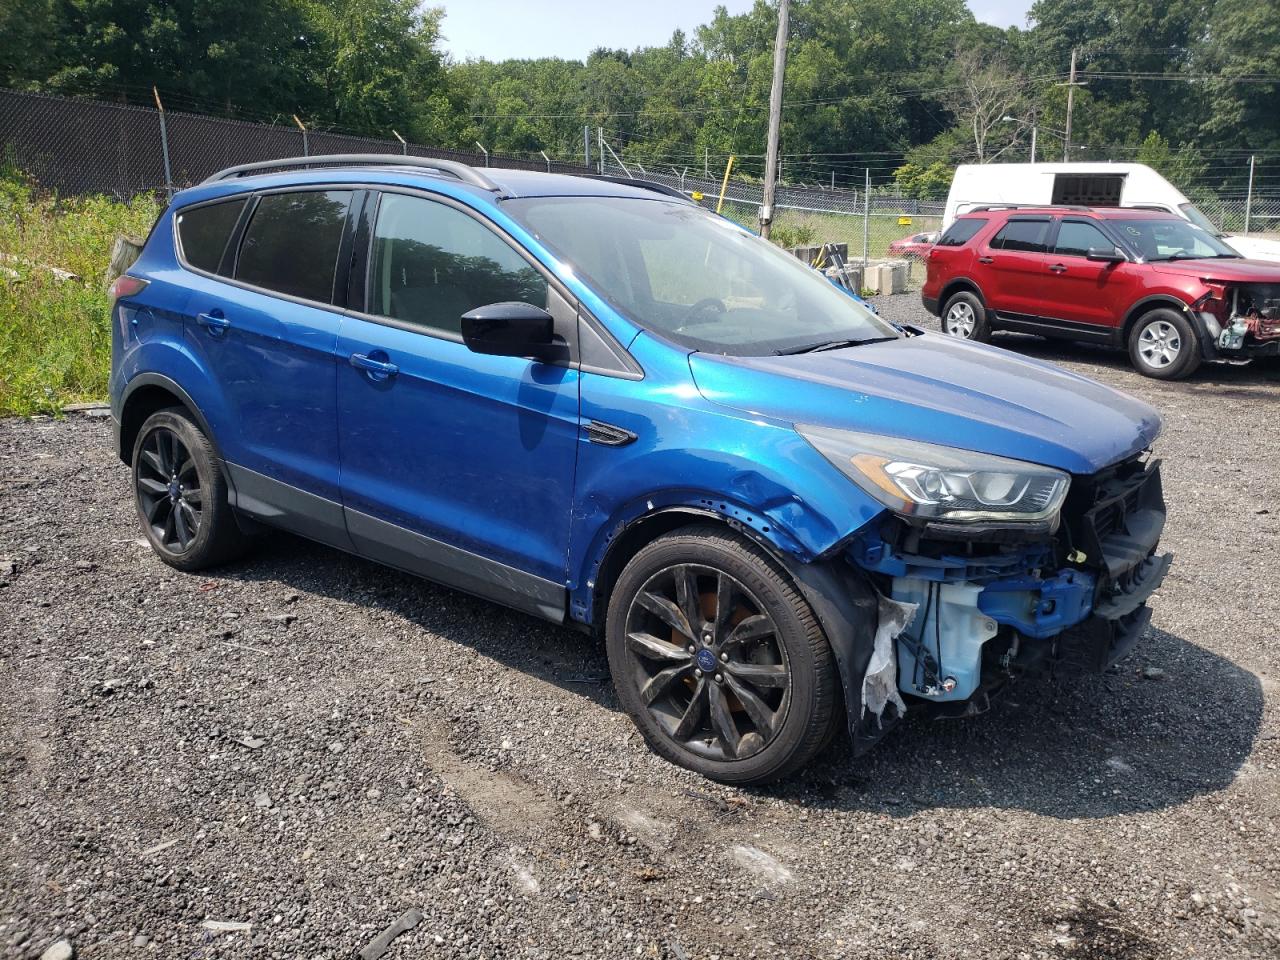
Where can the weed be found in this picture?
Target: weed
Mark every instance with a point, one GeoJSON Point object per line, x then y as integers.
{"type": "Point", "coordinates": [55, 338]}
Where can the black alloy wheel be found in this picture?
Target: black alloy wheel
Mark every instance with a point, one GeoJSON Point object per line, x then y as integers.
{"type": "Point", "coordinates": [182, 495]}
{"type": "Point", "coordinates": [719, 659]}
{"type": "Point", "coordinates": [169, 492]}
{"type": "Point", "coordinates": [707, 659]}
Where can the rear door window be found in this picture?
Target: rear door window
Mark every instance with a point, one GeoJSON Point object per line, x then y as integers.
{"type": "Point", "coordinates": [1077, 237]}
{"type": "Point", "coordinates": [961, 232]}
{"type": "Point", "coordinates": [1025, 236]}
{"type": "Point", "coordinates": [203, 232]}
{"type": "Point", "coordinates": [291, 244]}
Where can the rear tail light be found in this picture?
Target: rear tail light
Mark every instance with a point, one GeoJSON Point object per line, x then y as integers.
{"type": "Point", "coordinates": [127, 286]}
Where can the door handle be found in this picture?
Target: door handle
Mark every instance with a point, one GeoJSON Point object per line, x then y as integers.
{"type": "Point", "coordinates": [1058, 268]}
{"type": "Point", "coordinates": [376, 369]}
{"type": "Point", "coordinates": [215, 323]}
{"type": "Point", "coordinates": [986, 259]}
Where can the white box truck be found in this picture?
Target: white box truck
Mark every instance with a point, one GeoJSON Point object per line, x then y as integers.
{"type": "Point", "coordinates": [1087, 184]}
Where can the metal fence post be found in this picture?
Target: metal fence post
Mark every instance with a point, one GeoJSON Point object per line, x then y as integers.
{"type": "Point", "coordinates": [1248, 200]}
{"type": "Point", "coordinates": [164, 144]}
{"type": "Point", "coordinates": [301, 127]}
{"type": "Point", "coordinates": [404, 147]}
{"type": "Point", "coordinates": [866, 220]}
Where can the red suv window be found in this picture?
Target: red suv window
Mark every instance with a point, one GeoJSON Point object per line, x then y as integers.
{"type": "Point", "coordinates": [1076, 238]}
{"type": "Point", "coordinates": [1026, 235]}
{"type": "Point", "coordinates": [961, 232]}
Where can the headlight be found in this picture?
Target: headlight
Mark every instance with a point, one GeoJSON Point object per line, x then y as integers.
{"type": "Point", "coordinates": [926, 480]}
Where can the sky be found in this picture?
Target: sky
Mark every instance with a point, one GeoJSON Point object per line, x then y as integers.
{"type": "Point", "coordinates": [571, 29]}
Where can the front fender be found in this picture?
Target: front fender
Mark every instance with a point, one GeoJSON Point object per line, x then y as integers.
{"type": "Point", "coordinates": [691, 454]}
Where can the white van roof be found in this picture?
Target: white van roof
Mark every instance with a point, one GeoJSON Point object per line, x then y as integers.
{"type": "Point", "coordinates": [976, 184]}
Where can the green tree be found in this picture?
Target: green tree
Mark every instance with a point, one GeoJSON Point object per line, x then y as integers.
{"type": "Point", "coordinates": [1244, 41]}
{"type": "Point", "coordinates": [224, 55]}
{"type": "Point", "coordinates": [924, 182]}
{"type": "Point", "coordinates": [369, 61]}
{"type": "Point", "coordinates": [1183, 167]}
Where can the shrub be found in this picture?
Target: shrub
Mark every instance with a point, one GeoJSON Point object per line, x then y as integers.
{"type": "Point", "coordinates": [54, 335]}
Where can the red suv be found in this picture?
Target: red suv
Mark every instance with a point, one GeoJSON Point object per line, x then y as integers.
{"type": "Point", "coordinates": [1169, 291]}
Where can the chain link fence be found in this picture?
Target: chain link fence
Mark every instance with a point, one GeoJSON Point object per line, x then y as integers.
{"type": "Point", "coordinates": [1241, 214]}
{"type": "Point", "coordinates": [78, 147]}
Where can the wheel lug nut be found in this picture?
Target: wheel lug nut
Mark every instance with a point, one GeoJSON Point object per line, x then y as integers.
{"type": "Point", "coordinates": [724, 658]}
{"type": "Point", "coordinates": [692, 648]}
{"type": "Point", "coordinates": [719, 678]}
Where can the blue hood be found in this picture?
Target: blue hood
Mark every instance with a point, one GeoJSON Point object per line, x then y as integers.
{"type": "Point", "coordinates": [940, 390]}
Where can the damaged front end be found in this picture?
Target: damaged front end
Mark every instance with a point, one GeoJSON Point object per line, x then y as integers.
{"type": "Point", "coordinates": [965, 607]}
{"type": "Point", "coordinates": [1242, 320]}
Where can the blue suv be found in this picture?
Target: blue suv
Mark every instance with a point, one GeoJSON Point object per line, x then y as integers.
{"type": "Point", "coordinates": [600, 404]}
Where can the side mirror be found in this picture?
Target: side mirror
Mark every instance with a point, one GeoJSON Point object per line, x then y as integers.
{"type": "Point", "coordinates": [1100, 255]}
{"type": "Point", "coordinates": [511, 329]}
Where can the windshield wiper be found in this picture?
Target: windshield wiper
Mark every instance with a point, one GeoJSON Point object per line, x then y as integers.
{"type": "Point", "coordinates": [823, 345]}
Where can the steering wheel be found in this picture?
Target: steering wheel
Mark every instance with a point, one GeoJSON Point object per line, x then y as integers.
{"type": "Point", "coordinates": [706, 303]}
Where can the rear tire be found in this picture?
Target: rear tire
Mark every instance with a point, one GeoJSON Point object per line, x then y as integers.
{"type": "Point", "coordinates": [181, 494]}
{"type": "Point", "coordinates": [718, 658]}
{"type": "Point", "coordinates": [1163, 345]}
{"type": "Point", "coordinates": [965, 317]}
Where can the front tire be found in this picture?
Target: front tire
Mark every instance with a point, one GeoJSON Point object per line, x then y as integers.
{"type": "Point", "coordinates": [181, 494]}
{"type": "Point", "coordinates": [718, 658]}
{"type": "Point", "coordinates": [965, 317]}
{"type": "Point", "coordinates": [1163, 345]}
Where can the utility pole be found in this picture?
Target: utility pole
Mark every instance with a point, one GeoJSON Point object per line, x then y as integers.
{"type": "Point", "coordinates": [1033, 143]}
{"type": "Point", "coordinates": [1248, 200]}
{"type": "Point", "coordinates": [600, 148]}
{"type": "Point", "coordinates": [706, 162]}
{"type": "Point", "coordinates": [586, 147]}
{"type": "Point", "coordinates": [775, 118]}
{"type": "Point", "coordinates": [1071, 100]}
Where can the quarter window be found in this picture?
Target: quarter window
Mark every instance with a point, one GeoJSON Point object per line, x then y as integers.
{"type": "Point", "coordinates": [1076, 238]}
{"type": "Point", "coordinates": [291, 245]}
{"type": "Point", "coordinates": [432, 263]}
{"type": "Point", "coordinates": [204, 231]}
{"type": "Point", "coordinates": [961, 232]}
{"type": "Point", "coordinates": [1026, 236]}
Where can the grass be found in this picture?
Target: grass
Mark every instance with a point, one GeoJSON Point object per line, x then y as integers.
{"type": "Point", "coordinates": [803, 228]}
{"type": "Point", "coordinates": [55, 340]}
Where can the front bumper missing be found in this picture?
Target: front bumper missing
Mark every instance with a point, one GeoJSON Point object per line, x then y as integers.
{"type": "Point", "coordinates": [1118, 533]}
{"type": "Point", "coordinates": [1232, 343]}
{"type": "Point", "coordinates": [1075, 602]}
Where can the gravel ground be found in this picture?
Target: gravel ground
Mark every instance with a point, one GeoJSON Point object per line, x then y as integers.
{"type": "Point", "coordinates": [306, 745]}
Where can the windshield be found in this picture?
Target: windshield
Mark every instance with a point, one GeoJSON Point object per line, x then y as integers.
{"type": "Point", "coordinates": [697, 279]}
{"type": "Point", "coordinates": [1192, 213]}
{"type": "Point", "coordinates": [1158, 240]}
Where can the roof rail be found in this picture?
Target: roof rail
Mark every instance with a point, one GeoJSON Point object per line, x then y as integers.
{"type": "Point", "coordinates": [463, 172]}
{"type": "Point", "coordinates": [1028, 206]}
{"type": "Point", "coordinates": [639, 185]}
